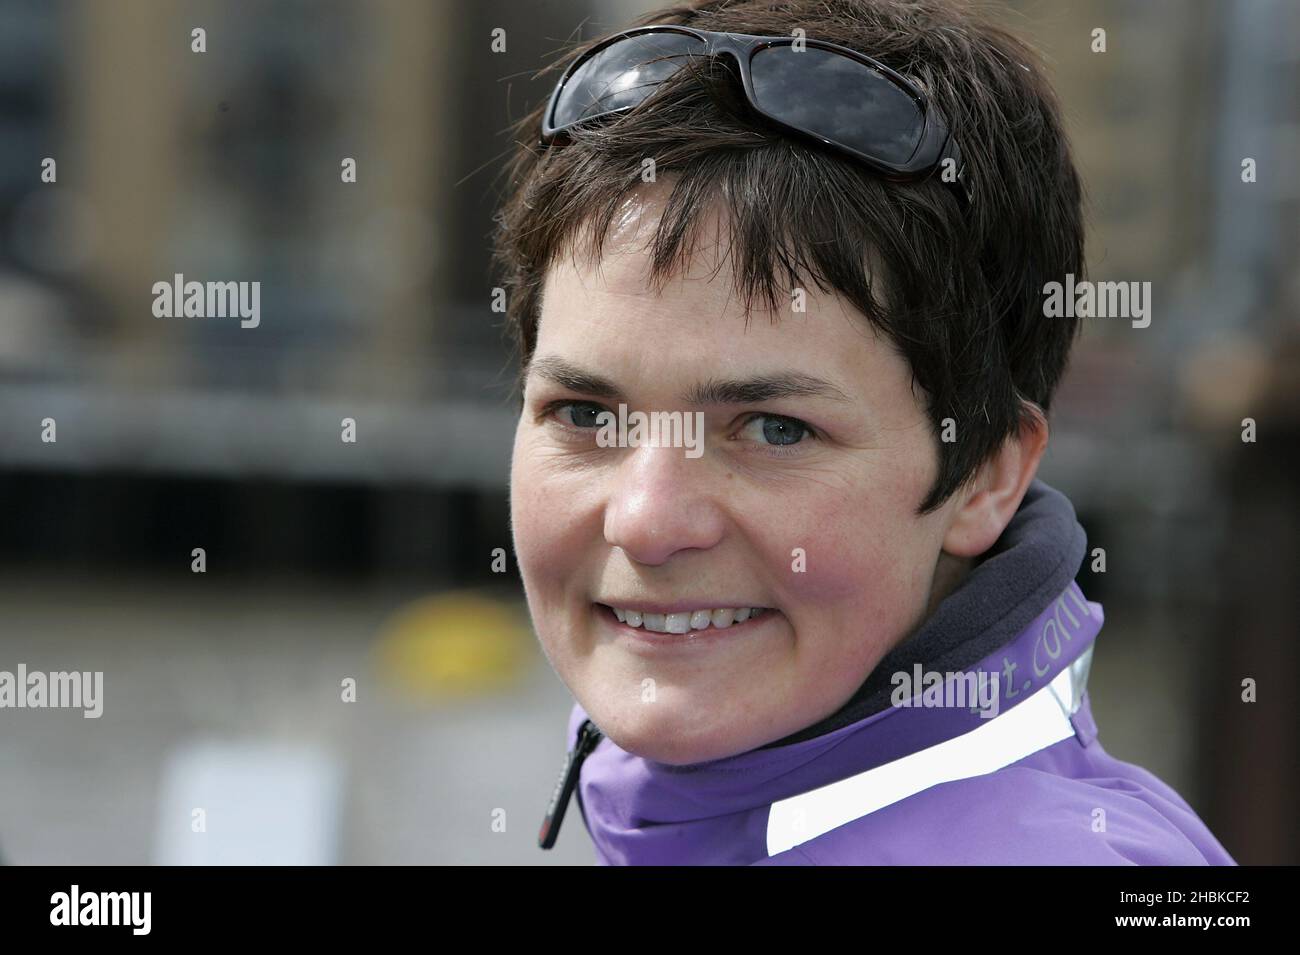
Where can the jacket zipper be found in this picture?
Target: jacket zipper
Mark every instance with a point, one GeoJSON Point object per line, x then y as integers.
{"type": "Point", "coordinates": [588, 737]}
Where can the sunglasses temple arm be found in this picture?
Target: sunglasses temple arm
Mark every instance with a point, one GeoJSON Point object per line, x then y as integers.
{"type": "Point", "coordinates": [960, 182]}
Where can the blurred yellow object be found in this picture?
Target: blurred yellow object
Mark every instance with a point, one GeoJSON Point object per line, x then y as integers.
{"type": "Point", "coordinates": [453, 643]}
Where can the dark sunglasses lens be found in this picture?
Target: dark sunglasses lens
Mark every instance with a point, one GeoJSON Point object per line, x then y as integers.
{"type": "Point", "coordinates": [622, 74]}
{"type": "Point", "coordinates": [834, 97]}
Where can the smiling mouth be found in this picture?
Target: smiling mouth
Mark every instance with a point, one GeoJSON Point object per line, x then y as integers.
{"type": "Point", "coordinates": [685, 623]}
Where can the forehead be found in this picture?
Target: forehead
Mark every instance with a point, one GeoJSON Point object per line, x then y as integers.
{"type": "Point", "coordinates": [605, 308]}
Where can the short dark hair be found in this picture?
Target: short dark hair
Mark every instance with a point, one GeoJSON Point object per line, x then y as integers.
{"type": "Point", "coordinates": [960, 294]}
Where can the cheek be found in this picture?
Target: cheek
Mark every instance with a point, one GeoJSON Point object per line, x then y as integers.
{"type": "Point", "coordinates": [531, 507]}
{"type": "Point", "coordinates": [867, 552]}
{"type": "Point", "coordinates": [865, 557]}
{"type": "Point", "coordinates": [551, 522]}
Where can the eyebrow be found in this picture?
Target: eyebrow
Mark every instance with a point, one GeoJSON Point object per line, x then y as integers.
{"type": "Point", "coordinates": [715, 391]}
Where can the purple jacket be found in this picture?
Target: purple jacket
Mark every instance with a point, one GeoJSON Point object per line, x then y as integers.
{"type": "Point", "coordinates": [938, 781]}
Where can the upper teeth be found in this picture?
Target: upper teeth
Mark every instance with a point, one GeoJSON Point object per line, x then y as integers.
{"type": "Point", "coordinates": [690, 620]}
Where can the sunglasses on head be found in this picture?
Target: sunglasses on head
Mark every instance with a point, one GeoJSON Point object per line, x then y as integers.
{"type": "Point", "coordinates": [829, 93]}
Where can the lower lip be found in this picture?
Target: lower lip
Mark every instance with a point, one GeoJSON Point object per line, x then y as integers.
{"type": "Point", "coordinates": [709, 636]}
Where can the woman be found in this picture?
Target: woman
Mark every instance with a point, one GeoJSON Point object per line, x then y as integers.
{"type": "Point", "coordinates": [848, 630]}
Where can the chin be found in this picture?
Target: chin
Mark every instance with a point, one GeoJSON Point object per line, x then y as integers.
{"type": "Point", "coordinates": [675, 752]}
{"type": "Point", "coordinates": [671, 736]}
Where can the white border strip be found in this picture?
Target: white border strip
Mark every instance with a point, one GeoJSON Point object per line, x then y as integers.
{"type": "Point", "coordinates": [1031, 725]}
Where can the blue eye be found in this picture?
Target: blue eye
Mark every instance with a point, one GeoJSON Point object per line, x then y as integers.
{"type": "Point", "coordinates": [780, 431]}
{"type": "Point", "coordinates": [583, 415]}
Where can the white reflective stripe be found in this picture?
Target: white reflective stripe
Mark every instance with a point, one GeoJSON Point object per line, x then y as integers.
{"type": "Point", "coordinates": [1071, 697]}
{"type": "Point", "coordinates": [1027, 727]}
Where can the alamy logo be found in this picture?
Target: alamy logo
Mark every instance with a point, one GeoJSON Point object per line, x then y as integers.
{"type": "Point", "coordinates": [975, 689]}
{"type": "Point", "coordinates": [58, 690]}
{"type": "Point", "coordinates": [1086, 299]}
{"type": "Point", "coordinates": [656, 429]}
{"type": "Point", "coordinates": [182, 299]}
{"type": "Point", "coordinates": [102, 908]}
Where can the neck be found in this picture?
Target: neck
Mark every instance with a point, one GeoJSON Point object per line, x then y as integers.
{"type": "Point", "coordinates": [949, 572]}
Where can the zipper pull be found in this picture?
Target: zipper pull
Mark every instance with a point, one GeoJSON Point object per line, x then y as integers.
{"type": "Point", "coordinates": [588, 737]}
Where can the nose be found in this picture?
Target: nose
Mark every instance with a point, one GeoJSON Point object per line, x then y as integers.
{"type": "Point", "coordinates": [662, 502]}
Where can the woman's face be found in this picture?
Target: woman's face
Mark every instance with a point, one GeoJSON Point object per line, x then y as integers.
{"type": "Point", "coordinates": [804, 503]}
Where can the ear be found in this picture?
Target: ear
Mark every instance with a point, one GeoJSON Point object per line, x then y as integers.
{"type": "Point", "coordinates": [988, 503]}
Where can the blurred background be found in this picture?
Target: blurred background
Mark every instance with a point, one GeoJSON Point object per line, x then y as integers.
{"type": "Point", "coordinates": [328, 561]}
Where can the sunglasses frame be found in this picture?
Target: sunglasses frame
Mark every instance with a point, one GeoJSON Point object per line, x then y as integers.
{"type": "Point", "coordinates": [934, 145]}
